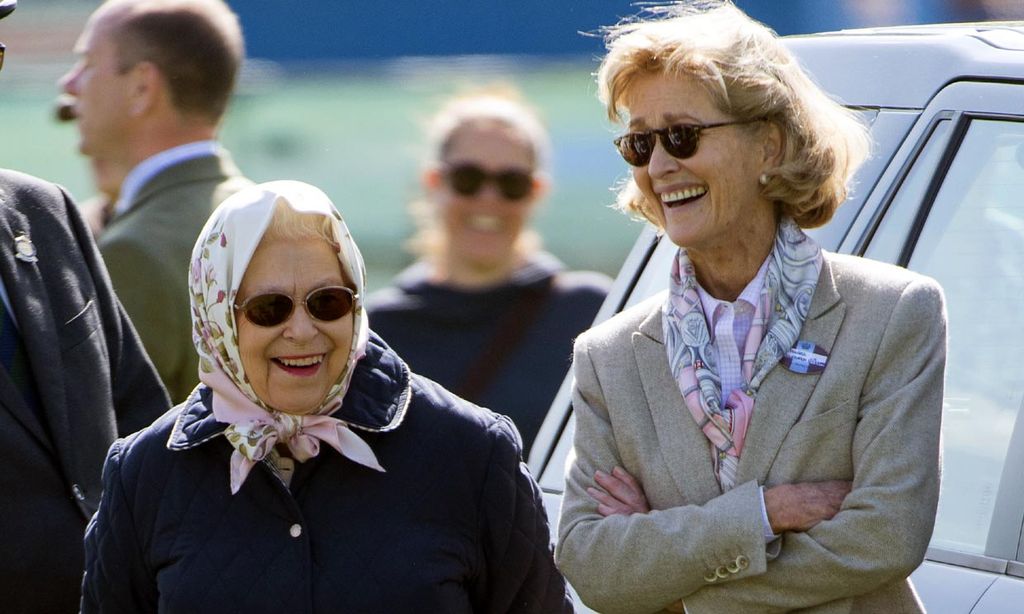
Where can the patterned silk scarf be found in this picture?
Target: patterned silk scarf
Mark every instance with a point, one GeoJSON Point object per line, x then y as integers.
{"type": "Point", "coordinates": [219, 259]}
{"type": "Point", "coordinates": [790, 280]}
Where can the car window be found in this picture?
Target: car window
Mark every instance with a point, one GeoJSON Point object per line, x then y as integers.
{"type": "Point", "coordinates": [973, 244]}
{"type": "Point", "coordinates": [888, 241]}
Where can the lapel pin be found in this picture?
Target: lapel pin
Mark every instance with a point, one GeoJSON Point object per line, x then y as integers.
{"type": "Point", "coordinates": [805, 357]}
{"type": "Point", "coordinates": [24, 250]}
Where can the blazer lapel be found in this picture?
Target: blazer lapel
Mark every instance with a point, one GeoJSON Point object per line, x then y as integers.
{"type": "Point", "coordinates": [783, 395]}
{"type": "Point", "coordinates": [684, 447]}
{"type": "Point", "coordinates": [31, 307]}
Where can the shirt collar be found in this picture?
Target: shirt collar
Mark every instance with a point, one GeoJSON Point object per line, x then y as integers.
{"type": "Point", "coordinates": [153, 165]}
{"type": "Point", "coordinates": [749, 294]}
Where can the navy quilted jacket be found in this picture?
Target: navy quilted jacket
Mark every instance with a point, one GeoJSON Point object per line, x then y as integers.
{"type": "Point", "coordinates": [455, 524]}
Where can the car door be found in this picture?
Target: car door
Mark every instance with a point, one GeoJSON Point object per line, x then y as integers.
{"type": "Point", "coordinates": [955, 211]}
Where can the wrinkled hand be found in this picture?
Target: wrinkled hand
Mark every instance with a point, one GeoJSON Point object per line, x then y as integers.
{"type": "Point", "coordinates": [798, 507]}
{"type": "Point", "coordinates": [622, 494]}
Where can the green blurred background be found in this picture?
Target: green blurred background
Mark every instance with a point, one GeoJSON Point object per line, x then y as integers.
{"type": "Point", "coordinates": [354, 129]}
{"type": "Point", "coordinates": [335, 93]}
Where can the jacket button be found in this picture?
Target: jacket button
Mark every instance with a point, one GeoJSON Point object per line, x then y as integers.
{"type": "Point", "coordinates": [710, 577]}
{"type": "Point", "coordinates": [742, 562]}
{"type": "Point", "coordinates": [722, 572]}
{"type": "Point", "coordinates": [76, 490]}
{"type": "Point", "coordinates": [295, 530]}
{"type": "Point", "coordinates": [733, 567]}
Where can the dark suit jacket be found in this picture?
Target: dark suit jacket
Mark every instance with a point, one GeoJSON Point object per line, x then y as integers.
{"type": "Point", "coordinates": [94, 381]}
{"type": "Point", "coordinates": [147, 250]}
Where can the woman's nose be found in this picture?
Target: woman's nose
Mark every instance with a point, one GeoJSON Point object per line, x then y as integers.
{"type": "Point", "coordinates": [662, 163]}
{"type": "Point", "coordinates": [300, 326]}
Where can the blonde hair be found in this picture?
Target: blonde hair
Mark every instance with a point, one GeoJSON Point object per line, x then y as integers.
{"type": "Point", "coordinates": [749, 75]}
{"type": "Point", "coordinates": [287, 224]}
{"type": "Point", "coordinates": [497, 104]}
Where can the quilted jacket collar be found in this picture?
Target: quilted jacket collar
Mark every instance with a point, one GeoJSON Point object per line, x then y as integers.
{"type": "Point", "coordinates": [376, 401]}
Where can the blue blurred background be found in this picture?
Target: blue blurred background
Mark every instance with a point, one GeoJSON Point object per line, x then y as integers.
{"type": "Point", "coordinates": [335, 93]}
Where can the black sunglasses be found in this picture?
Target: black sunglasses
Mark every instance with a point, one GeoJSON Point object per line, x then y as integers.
{"type": "Point", "coordinates": [679, 140]}
{"type": "Point", "coordinates": [468, 179]}
{"type": "Point", "coordinates": [324, 304]}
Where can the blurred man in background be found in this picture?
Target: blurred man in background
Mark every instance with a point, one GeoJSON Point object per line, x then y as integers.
{"type": "Point", "coordinates": [73, 376]}
{"type": "Point", "coordinates": [149, 92]}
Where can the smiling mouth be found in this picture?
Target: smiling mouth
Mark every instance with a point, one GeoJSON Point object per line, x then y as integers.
{"type": "Point", "coordinates": [302, 366]}
{"type": "Point", "coordinates": [683, 197]}
{"type": "Point", "coordinates": [485, 223]}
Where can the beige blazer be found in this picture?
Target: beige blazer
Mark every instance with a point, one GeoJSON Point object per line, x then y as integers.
{"type": "Point", "coordinates": [873, 416]}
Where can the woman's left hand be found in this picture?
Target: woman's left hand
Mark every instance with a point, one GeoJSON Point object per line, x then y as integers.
{"type": "Point", "coordinates": [622, 494]}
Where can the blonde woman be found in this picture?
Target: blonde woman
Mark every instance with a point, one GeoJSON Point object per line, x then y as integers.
{"type": "Point", "coordinates": [764, 436]}
{"type": "Point", "coordinates": [484, 311]}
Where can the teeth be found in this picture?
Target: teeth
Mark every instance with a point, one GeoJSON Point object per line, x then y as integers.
{"type": "Point", "coordinates": [671, 197]}
{"type": "Point", "coordinates": [301, 362]}
{"type": "Point", "coordinates": [487, 223]}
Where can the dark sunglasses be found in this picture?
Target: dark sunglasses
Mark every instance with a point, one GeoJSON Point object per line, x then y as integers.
{"type": "Point", "coordinates": [679, 140]}
{"type": "Point", "coordinates": [468, 179]}
{"type": "Point", "coordinates": [324, 304]}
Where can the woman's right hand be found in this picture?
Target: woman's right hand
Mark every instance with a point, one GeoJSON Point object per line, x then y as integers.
{"type": "Point", "coordinates": [798, 507]}
{"type": "Point", "coordinates": [622, 494]}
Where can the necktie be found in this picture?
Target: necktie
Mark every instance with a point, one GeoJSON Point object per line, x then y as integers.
{"type": "Point", "coordinates": [14, 359]}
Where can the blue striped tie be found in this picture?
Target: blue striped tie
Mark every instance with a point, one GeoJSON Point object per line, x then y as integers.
{"type": "Point", "coordinates": [14, 359]}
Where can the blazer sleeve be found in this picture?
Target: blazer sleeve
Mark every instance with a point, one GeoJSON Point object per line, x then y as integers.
{"type": "Point", "coordinates": [882, 530]}
{"type": "Point", "coordinates": [519, 571]}
{"type": "Point", "coordinates": [643, 562]}
{"type": "Point", "coordinates": [116, 579]}
{"type": "Point", "coordinates": [138, 394]}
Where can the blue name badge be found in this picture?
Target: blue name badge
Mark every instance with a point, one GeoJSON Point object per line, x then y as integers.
{"type": "Point", "coordinates": [805, 357]}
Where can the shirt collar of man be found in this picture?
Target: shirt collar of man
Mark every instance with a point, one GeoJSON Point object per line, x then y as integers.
{"type": "Point", "coordinates": [153, 165]}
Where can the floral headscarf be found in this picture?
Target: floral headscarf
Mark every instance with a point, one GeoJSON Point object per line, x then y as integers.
{"type": "Point", "coordinates": [219, 260]}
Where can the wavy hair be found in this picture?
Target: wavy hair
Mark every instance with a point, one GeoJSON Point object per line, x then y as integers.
{"type": "Point", "coordinates": [749, 75]}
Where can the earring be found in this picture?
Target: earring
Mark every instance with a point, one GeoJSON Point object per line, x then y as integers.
{"type": "Point", "coordinates": [763, 179]}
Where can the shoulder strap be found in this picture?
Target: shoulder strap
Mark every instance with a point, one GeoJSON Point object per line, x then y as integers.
{"type": "Point", "coordinates": [510, 334]}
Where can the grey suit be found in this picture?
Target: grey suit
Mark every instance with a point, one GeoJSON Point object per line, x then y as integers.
{"type": "Point", "coordinates": [94, 381]}
{"type": "Point", "coordinates": [873, 416]}
{"type": "Point", "coordinates": [147, 250]}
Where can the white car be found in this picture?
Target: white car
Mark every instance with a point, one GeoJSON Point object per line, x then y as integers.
{"type": "Point", "coordinates": [942, 194]}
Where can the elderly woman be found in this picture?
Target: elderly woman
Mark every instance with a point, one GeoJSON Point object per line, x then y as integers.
{"type": "Point", "coordinates": [500, 311]}
{"type": "Point", "coordinates": [310, 471]}
{"type": "Point", "coordinates": [764, 436]}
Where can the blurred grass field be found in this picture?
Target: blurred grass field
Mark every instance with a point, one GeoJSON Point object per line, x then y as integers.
{"type": "Point", "coordinates": [355, 131]}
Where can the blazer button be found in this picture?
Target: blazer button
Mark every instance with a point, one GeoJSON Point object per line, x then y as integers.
{"type": "Point", "coordinates": [295, 530]}
{"type": "Point", "coordinates": [710, 577]}
{"type": "Point", "coordinates": [76, 490]}
{"type": "Point", "coordinates": [742, 562]}
{"type": "Point", "coordinates": [722, 572]}
{"type": "Point", "coordinates": [733, 567]}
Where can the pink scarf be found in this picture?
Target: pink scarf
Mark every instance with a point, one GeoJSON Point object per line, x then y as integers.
{"type": "Point", "coordinates": [792, 275]}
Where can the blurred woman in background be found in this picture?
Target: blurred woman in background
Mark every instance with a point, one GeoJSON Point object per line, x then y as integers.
{"type": "Point", "coordinates": [485, 312]}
